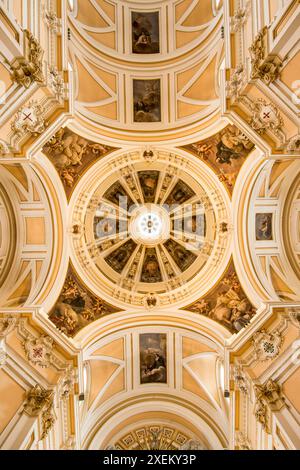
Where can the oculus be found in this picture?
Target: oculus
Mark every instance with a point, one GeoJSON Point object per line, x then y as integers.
{"type": "Point", "coordinates": [145, 32]}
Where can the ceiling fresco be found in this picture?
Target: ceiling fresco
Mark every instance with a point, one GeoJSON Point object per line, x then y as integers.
{"type": "Point", "coordinates": [143, 70]}
{"type": "Point", "coordinates": [72, 154]}
{"type": "Point", "coordinates": [148, 228]}
{"type": "Point", "coordinates": [225, 152]}
{"type": "Point", "coordinates": [227, 303]}
{"type": "Point", "coordinates": [149, 225]}
{"type": "Point", "coordinates": [76, 307]}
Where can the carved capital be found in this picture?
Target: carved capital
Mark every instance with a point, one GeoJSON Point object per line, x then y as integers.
{"type": "Point", "coordinates": [39, 402]}
{"type": "Point", "coordinates": [266, 67]}
{"type": "Point", "coordinates": [269, 398]}
{"type": "Point", "coordinates": [7, 325]}
{"type": "Point", "coordinates": [28, 69]}
{"type": "Point", "coordinates": [37, 399]}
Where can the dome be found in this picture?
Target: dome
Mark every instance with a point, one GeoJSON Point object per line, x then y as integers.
{"type": "Point", "coordinates": [146, 232]}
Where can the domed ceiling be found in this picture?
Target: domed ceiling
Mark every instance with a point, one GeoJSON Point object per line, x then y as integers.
{"type": "Point", "coordinates": [150, 233]}
{"type": "Point", "coordinates": [148, 166]}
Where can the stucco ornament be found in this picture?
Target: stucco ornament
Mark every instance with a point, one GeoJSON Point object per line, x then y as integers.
{"type": "Point", "coordinates": [39, 350]}
{"type": "Point", "coordinates": [269, 397]}
{"type": "Point", "coordinates": [239, 19]}
{"type": "Point", "coordinates": [242, 442]}
{"type": "Point", "coordinates": [293, 145]}
{"type": "Point", "coordinates": [28, 69]}
{"type": "Point", "coordinates": [264, 67]}
{"type": "Point", "coordinates": [266, 117]}
{"type": "Point", "coordinates": [235, 85]}
{"type": "Point", "coordinates": [39, 402]}
{"type": "Point", "coordinates": [192, 445]}
{"type": "Point", "coordinates": [37, 399]}
{"type": "Point", "coordinates": [266, 345]}
{"type": "Point", "coordinates": [29, 119]}
{"type": "Point", "coordinates": [4, 150]}
{"type": "Point", "coordinates": [240, 379]}
{"type": "Point", "coordinates": [7, 325]}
